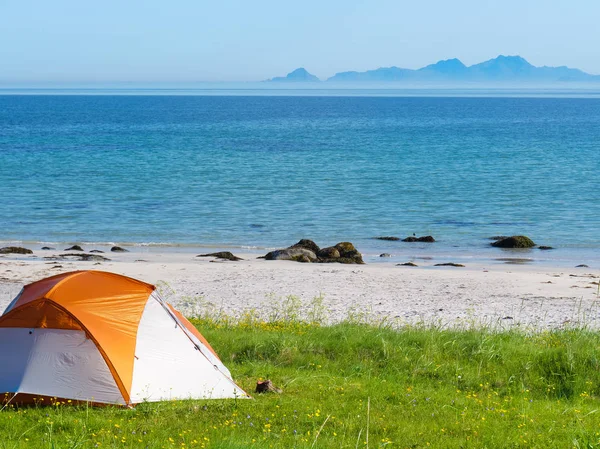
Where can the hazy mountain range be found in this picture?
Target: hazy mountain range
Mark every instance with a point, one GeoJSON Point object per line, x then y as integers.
{"type": "Point", "coordinates": [500, 69]}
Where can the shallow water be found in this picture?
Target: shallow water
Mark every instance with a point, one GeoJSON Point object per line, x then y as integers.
{"type": "Point", "coordinates": [265, 171]}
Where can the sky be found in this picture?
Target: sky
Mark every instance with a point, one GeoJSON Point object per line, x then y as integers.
{"type": "Point", "coordinates": [154, 41]}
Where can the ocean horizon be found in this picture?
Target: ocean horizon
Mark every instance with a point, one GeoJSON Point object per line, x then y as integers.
{"type": "Point", "coordinates": [253, 172]}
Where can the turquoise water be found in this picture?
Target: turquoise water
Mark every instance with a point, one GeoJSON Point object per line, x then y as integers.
{"type": "Point", "coordinates": [264, 171]}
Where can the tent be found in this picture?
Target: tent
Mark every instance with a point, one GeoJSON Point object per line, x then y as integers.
{"type": "Point", "coordinates": [104, 338]}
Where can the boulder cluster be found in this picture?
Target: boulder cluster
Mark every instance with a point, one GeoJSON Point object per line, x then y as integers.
{"type": "Point", "coordinates": [308, 251]}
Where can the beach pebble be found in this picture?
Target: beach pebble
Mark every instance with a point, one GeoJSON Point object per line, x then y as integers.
{"type": "Point", "coordinates": [222, 255]}
{"type": "Point", "coordinates": [118, 249]}
{"type": "Point", "coordinates": [74, 248]}
{"type": "Point", "coordinates": [15, 250]}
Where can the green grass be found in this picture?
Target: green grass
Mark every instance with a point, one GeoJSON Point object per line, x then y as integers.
{"type": "Point", "coordinates": [356, 386]}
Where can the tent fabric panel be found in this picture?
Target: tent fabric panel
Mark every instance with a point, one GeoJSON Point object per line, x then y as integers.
{"type": "Point", "coordinates": [14, 356]}
{"type": "Point", "coordinates": [39, 314]}
{"type": "Point", "coordinates": [198, 339]}
{"type": "Point", "coordinates": [61, 363]}
{"type": "Point", "coordinates": [37, 290]}
{"type": "Point", "coordinates": [192, 329]}
{"type": "Point", "coordinates": [113, 324]}
{"type": "Point", "coordinates": [169, 366]}
{"type": "Point", "coordinates": [13, 302]}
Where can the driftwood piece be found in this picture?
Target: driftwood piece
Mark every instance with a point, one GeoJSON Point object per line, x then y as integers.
{"type": "Point", "coordinates": [266, 386]}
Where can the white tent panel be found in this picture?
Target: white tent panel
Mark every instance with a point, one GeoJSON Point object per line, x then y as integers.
{"type": "Point", "coordinates": [203, 349]}
{"type": "Point", "coordinates": [168, 365]}
{"type": "Point", "coordinates": [55, 362]}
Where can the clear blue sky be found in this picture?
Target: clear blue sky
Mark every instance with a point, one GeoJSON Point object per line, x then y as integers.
{"type": "Point", "coordinates": [226, 40]}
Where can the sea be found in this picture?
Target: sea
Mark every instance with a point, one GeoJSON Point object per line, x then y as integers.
{"type": "Point", "coordinates": [251, 170]}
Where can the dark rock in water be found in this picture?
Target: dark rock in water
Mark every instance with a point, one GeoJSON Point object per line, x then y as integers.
{"type": "Point", "coordinates": [545, 248]}
{"type": "Point", "coordinates": [389, 238]}
{"type": "Point", "coordinates": [47, 248]}
{"type": "Point", "coordinates": [222, 255]}
{"type": "Point", "coordinates": [407, 264]}
{"type": "Point", "coordinates": [118, 249]}
{"type": "Point", "coordinates": [516, 241]}
{"type": "Point", "coordinates": [291, 254]}
{"type": "Point", "coordinates": [498, 237]}
{"type": "Point", "coordinates": [426, 239]}
{"type": "Point", "coordinates": [306, 244]}
{"type": "Point", "coordinates": [74, 248]}
{"type": "Point", "coordinates": [328, 253]}
{"type": "Point", "coordinates": [97, 251]}
{"type": "Point", "coordinates": [582, 266]}
{"type": "Point", "coordinates": [15, 250]}
{"type": "Point", "coordinates": [85, 257]}
{"type": "Point", "coordinates": [449, 264]}
{"type": "Point", "coordinates": [385, 255]}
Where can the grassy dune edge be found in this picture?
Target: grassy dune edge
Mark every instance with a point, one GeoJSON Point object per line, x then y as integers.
{"type": "Point", "coordinates": [355, 385]}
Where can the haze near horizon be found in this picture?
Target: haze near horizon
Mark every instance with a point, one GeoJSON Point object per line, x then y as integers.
{"type": "Point", "coordinates": [72, 42]}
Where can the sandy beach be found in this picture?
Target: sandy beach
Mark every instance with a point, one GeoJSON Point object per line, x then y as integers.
{"type": "Point", "coordinates": [498, 295]}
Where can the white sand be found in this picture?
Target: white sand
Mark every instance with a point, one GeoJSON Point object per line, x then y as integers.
{"type": "Point", "coordinates": [498, 294]}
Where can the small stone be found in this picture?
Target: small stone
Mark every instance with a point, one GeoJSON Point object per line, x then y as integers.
{"type": "Point", "coordinates": [449, 264]}
{"type": "Point", "coordinates": [74, 248]}
{"type": "Point", "coordinates": [545, 248]}
{"type": "Point", "coordinates": [85, 257]}
{"type": "Point", "coordinates": [582, 266]}
{"type": "Point", "coordinates": [118, 249]}
{"type": "Point", "coordinates": [388, 238]}
{"type": "Point", "coordinates": [15, 250]}
{"type": "Point", "coordinates": [97, 251]}
{"type": "Point", "coordinates": [47, 248]}
{"type": "Point", "coordinates": [425, 239]}
{"type": "Point", "coordinates": [407, 264]}
{"type": "Point", "coordinates": [222, 255]}
{"type": "Point", "coordinates": [385, 255]}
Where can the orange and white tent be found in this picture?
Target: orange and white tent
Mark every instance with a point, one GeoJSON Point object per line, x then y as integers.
{"type": "Point", "coordinates": [104, 338]}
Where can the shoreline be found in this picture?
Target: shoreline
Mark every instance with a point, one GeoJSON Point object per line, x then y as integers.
{"type": "Point", "coordinates": [497, 295]}
{"type": "Point", "coordinates": [378, 252]}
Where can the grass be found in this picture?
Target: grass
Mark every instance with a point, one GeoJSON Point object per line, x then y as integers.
{"type": "Point", "coordinates": [356, 385]}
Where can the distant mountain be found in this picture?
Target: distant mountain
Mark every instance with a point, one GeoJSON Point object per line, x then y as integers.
{"type": "Point", "coordinates": [500, 69]}
{"type": "Point", "coordinates": [297, 76]}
